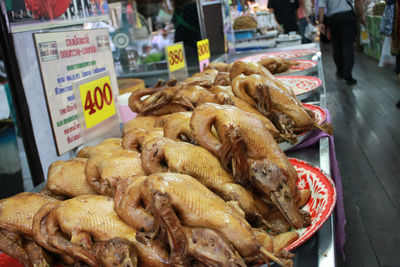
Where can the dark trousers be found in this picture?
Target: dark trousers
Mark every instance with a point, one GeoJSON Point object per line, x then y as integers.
{"type": "Point", "coordinates": [397, 65]}
{"type": "Point", "coordinates": [343, 31]}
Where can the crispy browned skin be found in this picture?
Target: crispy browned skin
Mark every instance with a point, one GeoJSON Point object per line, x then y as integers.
{"type": "Point", "coordinates": [177, 127]}
{"type": "Point", "coordinates": [249, 68]}
{"type": "Point", "coordinates": [67, 178]}
{"type": "Point", "coordinates": [182, 97]}
{"type": "Point", "coordinates": [105, 171]}
{"type": "Point", "coordinates": [135, 138]}
{"type": "Point", "coordinates": [16, 218]}
{"type": "Point", "coordinates": [220, 66]}
{"type": "Point", "coordinates": [245, 87]}
{"type": "Point", "coordinates": [191, 243]}
{"type": "Point", "coordinates": [144, 122]}
{"type": "Point", "coordinates": [157, 101]}
{"type": "Point", "coordinates": [223, 78]}
{"type": "Point", "coordinates": [192, 96]}
{"type": "Point", "coordinates": [204, 79]}
{"type": "Point", "coordinates": [283, 108]}
{"type": "Point", "coordinates": [87, 229]}
{"type": "Point", "coordinates": [152, 202]}
{"type": "Point", "coordinates": [247, 149]}
{"type": "Point", "coordinates": [162, 154]}
{"type": "Point", "coordinates": [196, 205]}
{"type": "Point", "coordinates": [105, 146]}
{"type": "Point", "coordinates": [221, 89]}
{"type": "Point", "coordinates": [243, 105]}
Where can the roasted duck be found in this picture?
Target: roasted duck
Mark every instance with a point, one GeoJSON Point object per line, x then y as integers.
{"type": "Point", "coordinates": [221, 89]}
{"type": "Point", "coordinates": [243, 105]}
{"type": "Point", "coordinates": [87, 229]}
{"type": "Point", "coordinates": [163, 154]}
{"type": "Point", "coordinates": [177, 127]}
{"type": "Point", "coordinates": [195, 206]}
{"type": "Point", "coordinates": [187, 97]}
{"type": "Point", "coordinates": [192, 96]}
{"type": "Point", "coordinates": [152, 123]}
{"type": "Point", "coordinates": [277, 65]}
{"type": "Point", "coordinates": [249, 68]}
{"type": "Point", "coordinates": [157, 100]}
{"type": "Point", "coordinates": [223, 78]}
{"type": "Point", "coordinates": [247, 149]}
{"type": "Point", "coordinates": [135, 138]}
{"type": "Point", "coordinates": [16, 238]}
{"type": "Point", "coordinates": [67, 178]}
{"type": "Point", "coordinates": [220, 66]}
{"type": "Point", "coordinates": [283, 109]}
{"type": "Point", "coordinates": [105, 171]}
{"type": "Point", "coordinates": [204, 79]}
{"type": "Point", "coordinates": [190, 245]}
{"type": "Point", "coordinates": [106, 146]}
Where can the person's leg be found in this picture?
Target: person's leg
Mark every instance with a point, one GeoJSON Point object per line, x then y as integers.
{"type": "Point", "coordinates": [336, 33]}
{"type": "Point", "coordinates": [398, 76]}
{"type": "Point", "coordinates": [349, 29]}
{"type": "Point", "coordinates": [302, 28]}
{"type": "Point", "coordinates": [397, 65]}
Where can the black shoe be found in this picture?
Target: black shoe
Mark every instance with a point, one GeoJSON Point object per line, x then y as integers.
{"type": "Point", "coordinates": [351, 81]}
{"type": "Point", "coordinates": [398, 104]}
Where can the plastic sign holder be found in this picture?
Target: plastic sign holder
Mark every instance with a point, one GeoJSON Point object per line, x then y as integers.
{"type": "Point", "coordinates": [177, 68]}
{"type": "Point", "coordinates": [203, 51]}
{"type": "Point", "coordinates": [96, 108]}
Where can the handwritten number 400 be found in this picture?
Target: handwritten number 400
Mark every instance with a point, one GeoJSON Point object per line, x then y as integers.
{"type": "Point", "coordinates": [99, 96]}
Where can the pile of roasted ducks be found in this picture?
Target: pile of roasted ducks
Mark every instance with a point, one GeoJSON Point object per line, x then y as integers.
{"type": "Point", "coordinates": [197, 179]}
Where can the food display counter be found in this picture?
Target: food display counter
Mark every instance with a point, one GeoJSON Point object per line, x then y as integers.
{"type": "Point", "coordinates": [319, 250]}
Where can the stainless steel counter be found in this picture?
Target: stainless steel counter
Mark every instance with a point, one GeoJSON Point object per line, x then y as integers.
{"type": "Point", "coordinates": [319, 250]}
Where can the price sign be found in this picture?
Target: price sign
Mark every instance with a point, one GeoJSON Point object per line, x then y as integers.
{"type": "Point", "coordinates": [176, 57]}
{"type": "Point", "coordinates": [97, 101]}
{"type": "Point", "coordinates": [203, 49]}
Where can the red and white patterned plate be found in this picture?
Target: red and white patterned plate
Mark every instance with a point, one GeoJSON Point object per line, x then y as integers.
{"type": "Point", "coordinates": [304, 67]}
{"type": "Point", "coordinates": [301, 84]}
{"type": "Point", "coordinates": [321, 202]}
{"type": "Point", "coordinates": [299, 53]}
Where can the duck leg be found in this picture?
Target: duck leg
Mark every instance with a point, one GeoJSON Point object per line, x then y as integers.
{"type": "Point", "coordinates": [116, 252]}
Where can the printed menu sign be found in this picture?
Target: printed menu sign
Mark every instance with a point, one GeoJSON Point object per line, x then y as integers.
{"type": "Point", "coordinates": [65, 58]}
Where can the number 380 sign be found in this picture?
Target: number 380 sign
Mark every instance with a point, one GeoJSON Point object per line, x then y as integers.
{"type": "Point", "coordinates": [175, 57]}
{"type": "Point", "coordinates": [97, 101]}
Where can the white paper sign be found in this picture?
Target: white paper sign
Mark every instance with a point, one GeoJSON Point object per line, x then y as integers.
{"type": "Point", "coordinates": [66, 57]}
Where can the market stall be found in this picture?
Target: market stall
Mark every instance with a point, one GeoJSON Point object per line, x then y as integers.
{"type": "Point", "coordinates": [184, 182]}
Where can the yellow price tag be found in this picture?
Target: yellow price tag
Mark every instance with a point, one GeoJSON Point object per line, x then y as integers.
{"type": "Point", "coordinates": [97, 101]}
{"type": "Point", "coordinates": [176, 59]}
{"type": "Point", "coordinates": [203, 49]}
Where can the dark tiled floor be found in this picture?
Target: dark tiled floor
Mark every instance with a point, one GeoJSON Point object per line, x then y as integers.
{"type": "Point", "coordinates": [367, 138]}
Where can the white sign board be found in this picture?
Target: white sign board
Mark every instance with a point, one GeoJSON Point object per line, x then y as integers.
{"type": "Point", "coordinates": [66, 57]}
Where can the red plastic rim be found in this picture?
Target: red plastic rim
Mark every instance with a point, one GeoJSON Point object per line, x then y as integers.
{"type": "Point", "coordinates": [283, 54]}
{"type": "Point", "coordinates": [322, 200]}
{"type": "Point", "coordinates": [320, 114]}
